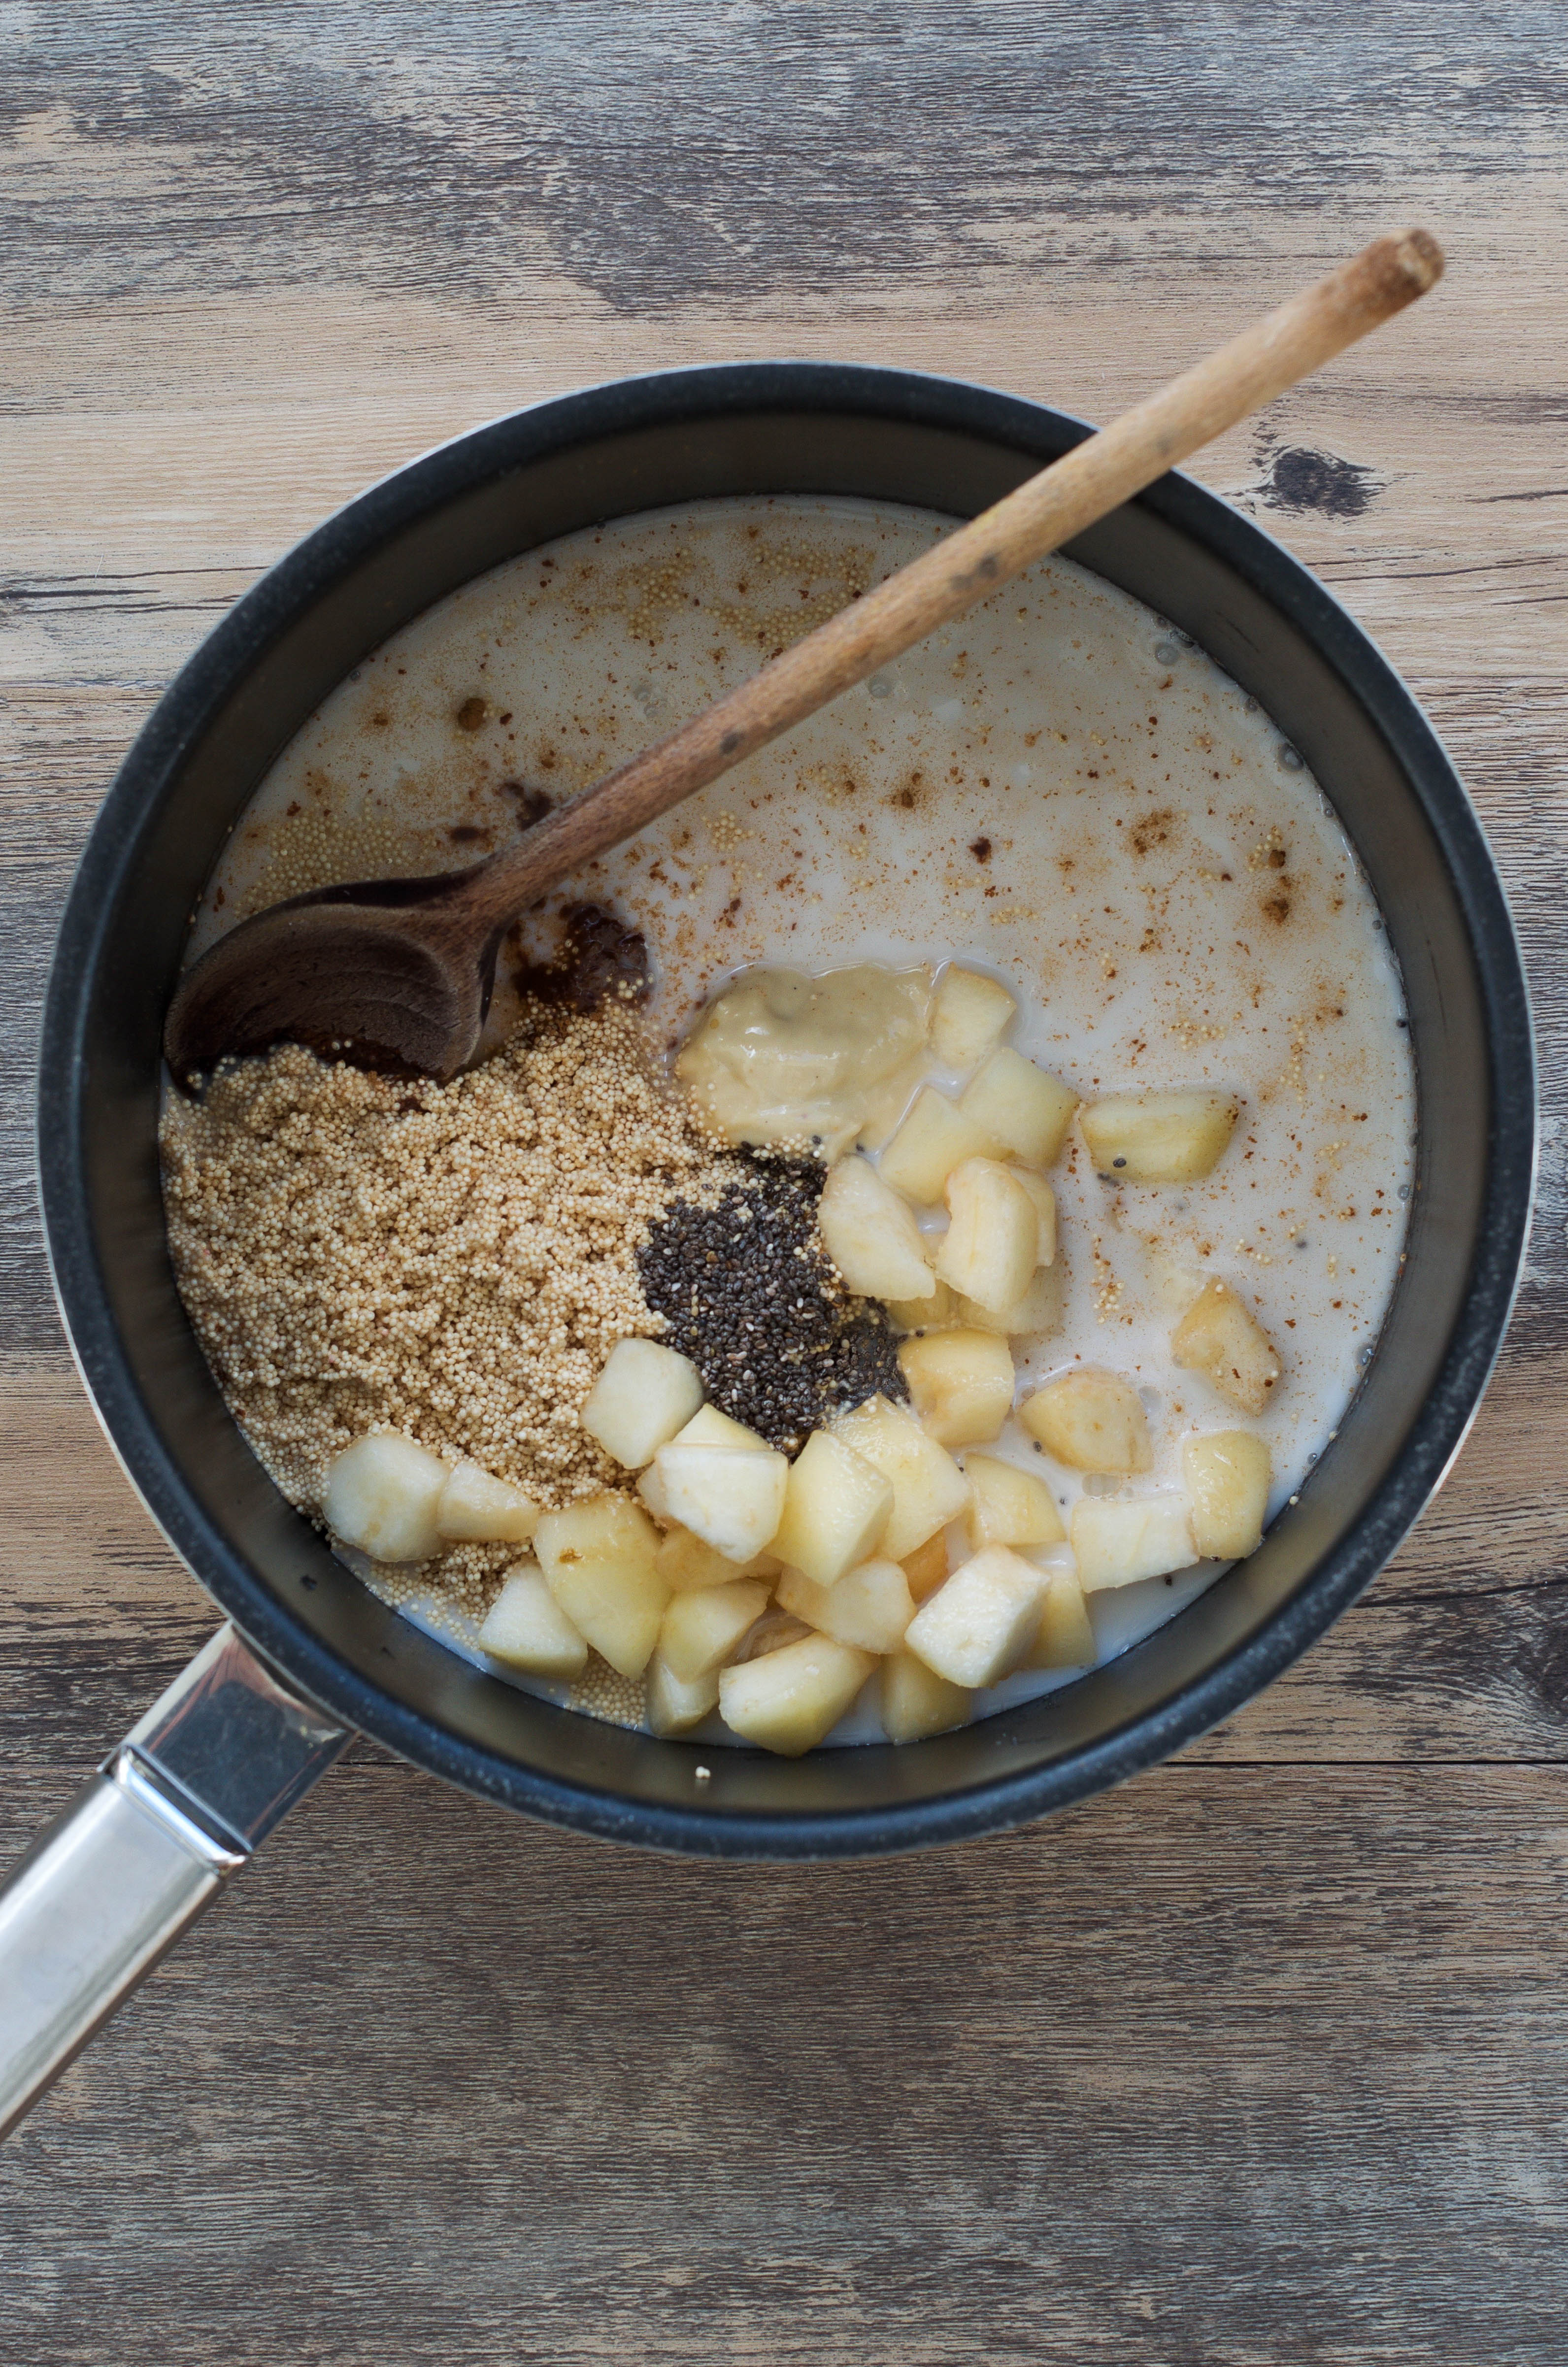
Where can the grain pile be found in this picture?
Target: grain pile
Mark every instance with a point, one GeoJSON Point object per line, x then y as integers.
{"type": "Point", "coordinates": [456, 1261]}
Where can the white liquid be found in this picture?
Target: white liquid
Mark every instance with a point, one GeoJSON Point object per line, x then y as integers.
{"type": "Point", "coordinates": [1057, 789]}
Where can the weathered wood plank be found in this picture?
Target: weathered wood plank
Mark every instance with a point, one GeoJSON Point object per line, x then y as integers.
{"type": "Point", "coordinates": [1221, 2068]}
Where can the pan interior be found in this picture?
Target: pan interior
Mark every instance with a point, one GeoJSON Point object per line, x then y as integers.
{"type": "Point", "coordinates": [657, 443]}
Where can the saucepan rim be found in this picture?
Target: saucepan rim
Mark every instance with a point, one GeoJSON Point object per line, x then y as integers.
{"type": "Point", "coordinates": [353, 534]}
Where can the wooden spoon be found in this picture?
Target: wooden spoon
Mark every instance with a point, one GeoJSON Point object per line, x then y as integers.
{"type": "Point", "coordinates": [398, 973]}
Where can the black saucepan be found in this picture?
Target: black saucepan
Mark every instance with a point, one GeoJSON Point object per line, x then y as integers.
{"type": "Point", "coordinates": [646, 442]}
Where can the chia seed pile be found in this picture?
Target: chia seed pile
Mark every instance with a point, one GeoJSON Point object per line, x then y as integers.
{"type": "Point", "coordinates": [747, 1292]}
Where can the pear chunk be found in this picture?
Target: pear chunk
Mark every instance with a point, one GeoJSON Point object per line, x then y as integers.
{"type": "Point", "coordinates": [701, 1628]}
{"type": "Point", "coordinates": [1221, 1337]}
{"type": "Point", "coordinates": [836, 1508]}
{"type": "Point", "coordinates": [916, 1701]}
{"type": "Point", "coordinates": [686, 1564]}
{"type": "Point", "coordinates": [1064, 1639]}
{"type": "Point", "coordinates": [1117, 1540]}
{"type": "Point", "coordinates": [1010, 1507]}
{"type": "Point", "coordinates": [789, 1699]}
{"type": "Point", "coordinates": [674, 1705]}
{"type": "Point", "coordinates": [526, 1627]}
{"type": "Point", "coordinates": [475, 1505]}
{"type": "Point", "coordinates": [598, 1559]}
{"type": "Point", "coordinates": [992, 1247]}
{"type": "Point", "coordinates": [1044, 1199]}
{"type": "Point", "coordinates": [960, 1384]}
{"type": "Point", "coordinates": [1158, 1137]}
{"type": "Point", "coordinates": [708, 1427]}
{"type": "Point", "coordinates": [869, 1609]}
{"type": "Point", "coordinates": [1038, 1310]}
{"type": "Point", "coordinates": [983, 1624]}
{"type": "Point", "coordinates": [871, 1236]}
{"type": "Point", "coordinates": [381, 1495]}
{"type": "Point", "coordinates": [927, 1567]}
{"type": "Point", "coordinates": [1026, 1111]}
{"type": "Point", "coordinates": [643, 1396]}
{"type": "Point", "coordinates": [1227, 1479]}
{"type": "Point", "coordinates": [928, 1488]}
{"type": "Point", "coordinates": [969, 1014]}
{"type": "Point", "coordinates": [934, 1139]}
{"type": "Point", "coordinates": [730, 1497]}
{"type": "Point", "coordinates": [923, 1314]}
{"type": "Point", "coordinates": [1090, 1421]}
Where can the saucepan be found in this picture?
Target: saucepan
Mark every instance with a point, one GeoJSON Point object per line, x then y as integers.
{"type": "Point", "coordinates": [309, 1657]}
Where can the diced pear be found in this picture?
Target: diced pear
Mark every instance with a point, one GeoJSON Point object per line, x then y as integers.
{"type": "Point", "coordinates": [730, 1497]}
{"type": "Point", "coordinates": [701, 1628]}
{"type": "Point", "coordinates": [1026, 1110]}
{"type": "Point", "coordinates": [1010, 1507]}
{"type": "Point", "coordinates": [969, 1014]}
{"type": "Point", "coordinates": [916, 1701]}
{"type": "Point", "coordinates": [990, 1250]}
{"type": "Point", "coordinates": [685, 1563]}
{"type": "Point", "coordinates": [1038, 1310]}
{"type": "Point", "coordinates": [1064, 1639]}
{"type": "Point", "coordinates": [1117, 1540]}
{"type": "Point", "coordinates": [1044, 1199]}
{"type": "Point", "coordinates": [708, 1427]}
{"type": "Point", "coordinates": [381, 1495]}
{"type": "Point", "coordinates": [1221, 1337]}
{"type": "Point", "coordinates": [1091, 1421]}
{"type": "Point", "coordinates": [643, 1396]}
{"type": "Point", "coordinates": [934, 1138]}
{"type": "Point", "coordinates": [928, 1488]}
{"type": "Point", "coordinates": [475, 1505]}
{"type": "Point", "coordinates": [960, 1384]}
{"type": "Point", "coordinates": [927, 1567]}
{"type": "Point", "coordinates": [1227, 1478]}
{"type": "Point", "coordinates": [789, 1699]}
{"type": "Point", "coordinates": [871, 1236]}
{"type": "Point", "coordinates": [981, 1626]}
{"type": "Point", "coordinates": [598, 1559]}
{"type": "Point", "coordinates": [923, 1314]}
{"type": "Point", "coordinates": [672, 1705]}
{"type": "Point", "coordinates": [870, 1608]}
{"type": "Point", "coordinates": [836, 1508]}
{"type": "Point", "coordinates": [526, 1627]}
{"type": "Point", "coordinates": [1158, 1137]}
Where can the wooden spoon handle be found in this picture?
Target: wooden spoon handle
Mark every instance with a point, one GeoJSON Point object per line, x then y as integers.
{"type": "Point", "coordinates": [971, 562]}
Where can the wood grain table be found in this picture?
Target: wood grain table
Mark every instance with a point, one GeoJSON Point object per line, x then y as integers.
{"type": "Point", "coordinates": [1261, 2059]}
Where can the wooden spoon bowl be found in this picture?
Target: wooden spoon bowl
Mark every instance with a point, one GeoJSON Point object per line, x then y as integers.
{"type": "Point", "coordinates": [386, 973]}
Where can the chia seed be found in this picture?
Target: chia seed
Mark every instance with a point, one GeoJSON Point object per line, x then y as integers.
{"type": "Point", "coordinates": [750, 1295]}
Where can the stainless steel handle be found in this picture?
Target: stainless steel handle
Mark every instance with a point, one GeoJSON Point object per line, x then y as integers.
{"type": "Point", "coordinates": [143, 1850]}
